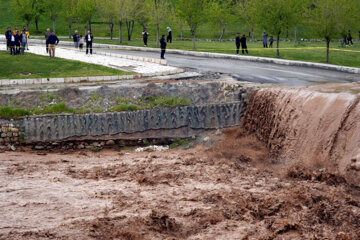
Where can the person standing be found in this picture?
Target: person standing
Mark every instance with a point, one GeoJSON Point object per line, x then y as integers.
{"type": "Point", "coordinates": [265, 36]}
{"type": "Point", "coordinates": [145, 35]}
{"type": "Point", "coordinates": [17, 33]}
{"type": "Point", "coordinates": [76, 39]}
{"type": "Point", "coordinates": [47, 35]}
{"type": "Point", "coordinates": [169, 35]}
{"type": "Point", "coordinates": [8, 35]}
{"type": "Point", "coordinates": [27, 37]}
{"type": "Point", "coordinates": [12, 44]}
{"type": "Point", "coordinates": [349, 38]}
{"type": "Point", "coordinates": [23, 40]}
{"type": "Point", "coordinates": [237, 42]}
{"type": "Point", "coordinates": [163, 46]}
{"type": "Point", "coordinates": [89, 41]}
{"type": "Point", "coordinates": [81, 42]}
{"type": "Point", "coordinates": [271, 41]}
{"type": "Point", "coordinates": [243, 45]}
{"type": "Point", "coordinates": [52, 41]}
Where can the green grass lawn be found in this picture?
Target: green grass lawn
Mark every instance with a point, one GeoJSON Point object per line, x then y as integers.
{"type": "Point", "coordinates": [35, 66]}
{"type": "Point", "coordinates": [302, 51]}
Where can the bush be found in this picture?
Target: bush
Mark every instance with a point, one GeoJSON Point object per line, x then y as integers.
{"type": "Point", "coordinates": [124, 107]}
{"type": "Point", "coordinates": [55, 108]}
{"type": "Point", "coordinates": [164, 102]}
{"type": "Point", "coordinates": [9, 112]}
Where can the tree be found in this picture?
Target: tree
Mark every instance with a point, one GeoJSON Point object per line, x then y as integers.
{"type": "Point", "coordinates": [159, 11]}
{"type": "Point", "coordinates": [274, 16]}
{"type": "Point", "coordinates": [245, 13]}
{"type": "Point", "coordinates": [54, 8]}
{"type": "Point", "coordinates": [109, 12]}
{"type": "Point", "coordinates": [192, 11]}
{"type": "Point", "coordinates": [87, 10]}
{"type": "Point", "coordinates": [298, 7]}
{"type": "Point", "coordinates": [122, 8]}
{"type": "Point", "coordinates": [23, 10]}
{"type": "Point", "coordinates": [328, 19]}
{"type": "Point", "coordinates": [38, 9]}
{"type": "Point", "coordinates": [70, 13]}
{"type": "Point", "coordinates": [220, 14]}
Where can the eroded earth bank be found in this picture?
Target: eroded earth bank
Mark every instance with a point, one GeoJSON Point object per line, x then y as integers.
{"type": "Point", "coordinates": [291, 171]}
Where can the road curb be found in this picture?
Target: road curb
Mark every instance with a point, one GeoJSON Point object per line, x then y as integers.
{"type": "Point", "coordinates": [47, 81]}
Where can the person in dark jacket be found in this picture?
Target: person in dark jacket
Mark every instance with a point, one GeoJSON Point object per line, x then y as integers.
{"type": "Point", "coordinates": [76, 39]}
{"type": "Point", "coordinates": [145, 35]}
{"type": "Point", "coordinates": [52, 41]}
{"type": "Point", "coordinates": [349, 38]}
{"type": "Point", "coordinates": [17, 42]}
{"type": "Point", "coordinates": [89, 41]}
{"type": "Point", "coordinates": [8, 38]}
{"type": "Point", "coordinates": [271, 41]}
{"type": "Point", "coordinates": [163, 46]}
{"type": "Point", "coordinates": [243, 45]}
{"type": "Point", "coordinates": [169, 35]}
{"type": "Point", "coordinates": [237, 42]}
{"type": "Point", "coordinates": [12, 44]}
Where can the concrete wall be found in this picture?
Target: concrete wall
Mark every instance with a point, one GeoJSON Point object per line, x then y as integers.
{"type": "Point", "coordinates": [152, 123]}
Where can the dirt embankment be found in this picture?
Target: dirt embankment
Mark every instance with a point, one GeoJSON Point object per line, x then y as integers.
{"type": "Point", "coordinates": [308, 127]}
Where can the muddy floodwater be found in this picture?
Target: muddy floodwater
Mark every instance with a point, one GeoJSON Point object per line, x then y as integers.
{"type": "Point", "coordinates": [231, 190]}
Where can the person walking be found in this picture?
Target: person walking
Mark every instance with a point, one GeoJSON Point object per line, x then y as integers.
{"type": "Point", "coordinates": [163, 46]}
{"type": "Point", "coordinates": [8, 35]}
{"type": "Point", "coordinates": [47, 35]}
{"type": "Point", "coordinates": [237, 42]}
{"type": "Point", "coordinates": [89, 41]}
{"type": "Point", "coordinates": [264, 38]}
{"type": "Point", "coordinates": [271, 41]}
{"type": "Point", "coordinates": [243, 45]}
{"type": "Point", "coordinates": [349, 38]}
{"type": "Point", "coordinates": [169, 35]}
{"type": "Point", "coordinates": [12, 44]}
{"type": "Point", "coordinates": [52, 41]}
{"type": "Point", "coordinates": [76, 39]}
{"type": "Point", "coordinates": [145, 35]}
{"type": "Point", "coordinates": [23, 40]}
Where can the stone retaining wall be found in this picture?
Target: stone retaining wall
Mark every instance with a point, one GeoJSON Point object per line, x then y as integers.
{"type": "Point", "coordinates": [10, 135]}
{"type": "Point", "coordinates": [178, 122]}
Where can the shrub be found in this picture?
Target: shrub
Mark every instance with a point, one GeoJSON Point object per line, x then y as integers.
{"type": "Point", "coordinates": [9, 112]}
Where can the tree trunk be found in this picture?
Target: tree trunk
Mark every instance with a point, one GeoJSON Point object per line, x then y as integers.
{"type": "Point", "coordinates": [144, 25]}
{"type": "Point", "coordinates": [120, 31]}
{"type": "Point", "coordinates": [194, 39]}
{"type": "Point", "coordinates": [222, 33]}
{"type": "Point", "coordinates": [287, 32]}
{"type": "Point", "coordinates": [70, 30]}
{"type": "Point", "coordinates": [157, 34]}
{"type": "Point", "coordinates": [295, 33]}
{"type": "Point", "coordinates": [54, 26]}
{"type": "Point", "coordinates": [181, 31]}
{"type": "Point", "coordinates": [111, 26]}
{"type": "Point", "coordinates": [327, 50]}
{"type": "Point", "coordinates": [130, 28]}
{"type": "Point", "coordinates": [277, 45]}
{"type": "Point", "coordinates": [252, 34]}
{"type": "Point", "coordinates": [89, 22]}
{"type": "Point", "coordinates": [37, 24]}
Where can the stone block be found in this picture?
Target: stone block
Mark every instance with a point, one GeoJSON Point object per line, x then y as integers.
{"type": "Point", "coordinates": [5, 82]}
{"type": "Point", "coordinates": [92, 79]}
{"type": "Point", "coordinates": [107, 78]}
{"type": "Point", "coordinates": [21, 82]}
{"type": "Point", "coordinates": [29, 81]}
{"type": "Point", "coordinates": [45, 80]}
{"type": "Point", "coordinates": [37, 81]}
{"type": "Point", "coordinates": [84, 79]}
{"type": "Point", "coordinates": [13, 82]}
{"type": "Point", "coordinates": [114, 77]}
{"type": "Point", "coordinates": [68, 80]}
{"type": "Point", "coordinates": [76, 80]}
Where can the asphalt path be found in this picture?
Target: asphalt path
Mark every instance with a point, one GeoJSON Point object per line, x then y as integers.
{"type": "Point", "coordinates": [251, 71]}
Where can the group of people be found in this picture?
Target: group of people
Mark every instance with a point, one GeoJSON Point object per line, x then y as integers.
{"type": "Point", "coordinates": [163, 41]}
{"type": "Point", "coordinates": [17, 41]}
{"type": "Point", "coordinates": [79, 41]}
{"type": "Point", "coordinates": [52, 41]}
{"type": "Point", "coordinates": [265, 40]}
{"type": "Point", "coordinates": [241, 41]}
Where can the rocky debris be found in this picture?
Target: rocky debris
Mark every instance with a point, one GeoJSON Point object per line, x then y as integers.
{"type": "Point", "coordinates": [152, 148]}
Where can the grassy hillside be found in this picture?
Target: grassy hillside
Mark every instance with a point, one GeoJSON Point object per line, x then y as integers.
{"type": "Point", "coordinates": [101, 29]}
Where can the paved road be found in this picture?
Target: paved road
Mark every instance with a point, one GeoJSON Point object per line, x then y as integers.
{"type": "Point", "coordinates": [251, 71]}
